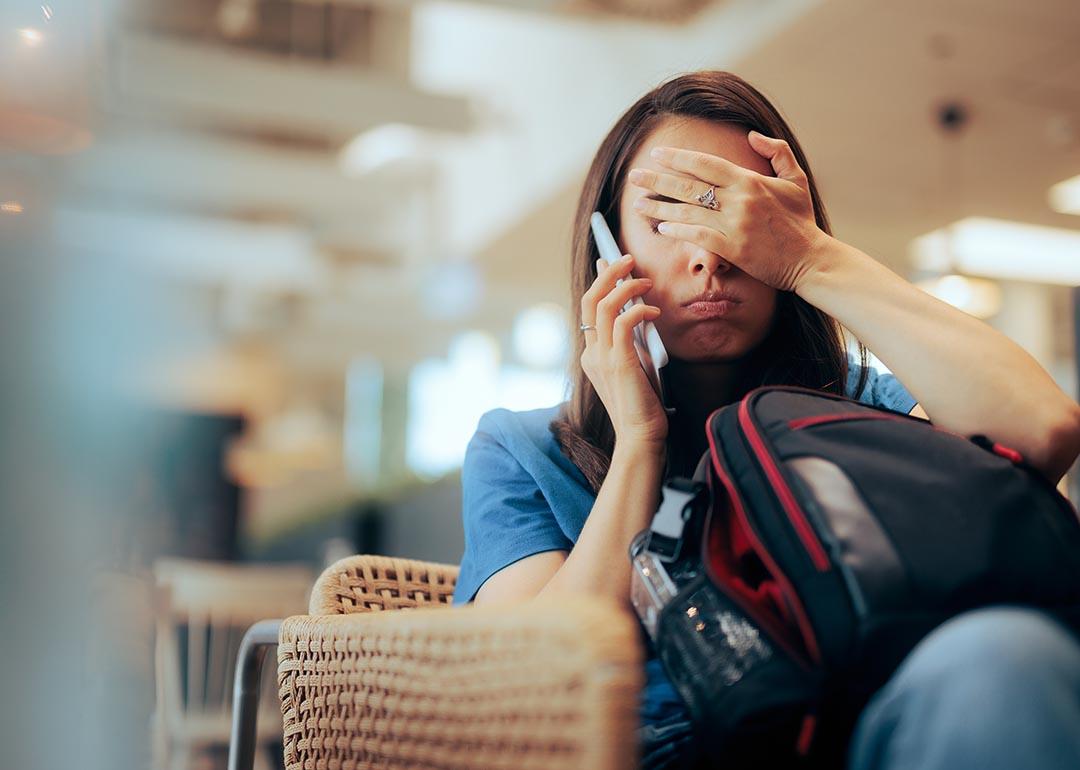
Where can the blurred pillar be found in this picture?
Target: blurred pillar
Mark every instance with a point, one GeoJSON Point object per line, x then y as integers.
{"type": "Point", "coordinates": [370, 524]}
{"type": "Point", "coordinates": [1027, 317]}
{"type": "Point", "coordinates": [395, 424]}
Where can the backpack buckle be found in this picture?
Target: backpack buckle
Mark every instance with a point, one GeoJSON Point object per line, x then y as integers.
{"type": "Point", "coordinates": [679, 498]}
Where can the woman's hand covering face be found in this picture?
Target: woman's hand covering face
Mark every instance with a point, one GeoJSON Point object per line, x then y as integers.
{"type": "Point", "coordinates": [763, 225]}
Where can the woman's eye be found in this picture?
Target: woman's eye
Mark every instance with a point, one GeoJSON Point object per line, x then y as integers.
{"type": "Point", "coordinates": [653, 224]}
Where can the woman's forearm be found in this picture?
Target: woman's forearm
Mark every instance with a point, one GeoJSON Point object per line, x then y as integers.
{"type": "Point", "coordinates": [599, 562]}
{"type": "Point", "coordinates": [968, 377]}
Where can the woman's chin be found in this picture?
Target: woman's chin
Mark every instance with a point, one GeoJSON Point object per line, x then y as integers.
{"type": "Point", "coordinates": [693, 348]}
{"type": "Point", "coordinates": [713, 355]}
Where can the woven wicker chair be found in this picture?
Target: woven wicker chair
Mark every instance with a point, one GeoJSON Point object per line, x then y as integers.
{"type": "Point", "coordinates": [382, 674]}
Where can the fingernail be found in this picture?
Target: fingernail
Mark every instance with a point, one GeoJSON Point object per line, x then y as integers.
{"type": "Point", "coordinates": [627, 258]}
{"type": "Point", "coordinates": [663, 227]}
{"type": "Point", "coordinates": [657, 152]}
{"type": "Point", "coordinates": [636, 176]}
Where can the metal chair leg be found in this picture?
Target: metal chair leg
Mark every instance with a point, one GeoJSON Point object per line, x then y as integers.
{"type": "Point", "coordinates": [249, 662]}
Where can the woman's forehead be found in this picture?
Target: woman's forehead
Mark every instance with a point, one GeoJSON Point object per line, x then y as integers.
{"type": "Point", "coordinates": [726, 140]}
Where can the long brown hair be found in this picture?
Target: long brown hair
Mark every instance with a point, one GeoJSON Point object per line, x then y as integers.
{"type": "Point", "coordinates": [805, 346]}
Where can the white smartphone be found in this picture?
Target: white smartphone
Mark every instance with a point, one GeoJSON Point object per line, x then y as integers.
{"type": "Point", "coordinates": [650, 349]}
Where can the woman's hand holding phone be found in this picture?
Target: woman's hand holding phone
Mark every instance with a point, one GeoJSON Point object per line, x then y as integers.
{"type": "Point", "coordinates": [610, 360]}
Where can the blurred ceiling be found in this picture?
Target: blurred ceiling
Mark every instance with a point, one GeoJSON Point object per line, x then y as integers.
{"type": "Point", "coordinates": [225, 119]}
{"type": "Point", "coordinates": [864, 84]}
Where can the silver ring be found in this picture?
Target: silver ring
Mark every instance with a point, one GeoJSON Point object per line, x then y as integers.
{"type": "Point", "coordinates": [708, 199]}
{"type": "Point", "coordinates": [586, 327]}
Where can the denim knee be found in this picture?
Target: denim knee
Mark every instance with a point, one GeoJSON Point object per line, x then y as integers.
{"type": "Point", "coordinates": [995, 687]}
{"type": "Point", "coordinates": [1010, 645]}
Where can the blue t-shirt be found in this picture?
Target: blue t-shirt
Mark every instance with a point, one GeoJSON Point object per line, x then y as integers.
{"type": "Point", "coordinates": [521, 496]}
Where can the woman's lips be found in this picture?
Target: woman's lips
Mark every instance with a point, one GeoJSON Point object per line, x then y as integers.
{"type": "Point", "coordinates": [712, 309]}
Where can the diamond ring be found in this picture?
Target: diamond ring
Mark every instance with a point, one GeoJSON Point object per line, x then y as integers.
{"type": "Point", "coordinates": [708, 198]}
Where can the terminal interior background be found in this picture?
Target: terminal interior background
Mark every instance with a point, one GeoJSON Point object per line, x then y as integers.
{"type": "Point", "coordinates": [266, 262]}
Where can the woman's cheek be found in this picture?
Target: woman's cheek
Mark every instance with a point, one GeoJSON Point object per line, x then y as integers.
{"type": "Point", "coordinates": [768, 315]}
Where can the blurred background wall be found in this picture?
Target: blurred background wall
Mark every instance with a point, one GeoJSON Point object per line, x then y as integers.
{"type": "Point", "coordinates": [265, 263]}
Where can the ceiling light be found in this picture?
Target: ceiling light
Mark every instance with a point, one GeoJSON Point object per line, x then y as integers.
{"type": "Point", "coordinates": [451, 290]}
{"type": "Point", "coordinates": [379, 146]}
{"type": "Point", "coordinates": [30, 36]}
{"type": "Point", "coordinates": [998, 248]}
{"type": "Point", "coordinates": [11, 207]}
{"type": "Point", "coordinates": [540, 336]}
{"type": "Point", "coordinates": [237, 18]}
{"type": "Point", "coordinates": [1065, 196]}
{"type": "Point", "coordinates": [277, 448]}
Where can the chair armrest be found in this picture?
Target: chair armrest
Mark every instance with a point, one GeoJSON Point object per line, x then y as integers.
{"type": "Point", "coordinates": [366, 583]}
{"type": "Point", "coordinates": [541, 684]}
{"type": "Point", "coordinates": [256, 643]}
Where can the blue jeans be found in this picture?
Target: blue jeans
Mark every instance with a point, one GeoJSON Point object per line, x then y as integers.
{"type": "Point", "coordinates": [997, 687]}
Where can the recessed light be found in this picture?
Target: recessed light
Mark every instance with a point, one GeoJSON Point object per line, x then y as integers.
{"type": "Point", "coordinates": [1065, 196]}
{"type": "Point", "coordinates": [31, 36]}
{"type": "Point", "coordinates": [998, 248]}
{"type": "Point", "coordinates": [379, 146]}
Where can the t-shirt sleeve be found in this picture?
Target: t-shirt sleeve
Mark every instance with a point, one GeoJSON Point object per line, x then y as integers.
{"type": "Point", "coordinates": [504, 512]}
{"type": "Point", "coordinates": [881, 389]}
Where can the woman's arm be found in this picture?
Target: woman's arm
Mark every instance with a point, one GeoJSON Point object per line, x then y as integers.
{"type": "Point", "coordinates": [968, 377]}
{"type": "Point", "coordinates": [599, 563]}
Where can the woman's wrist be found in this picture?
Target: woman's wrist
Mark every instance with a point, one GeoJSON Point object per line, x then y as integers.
{"type": "Point", "coordinates": [830, 257]}
{"type": "Point", "coordinates": [640, 450]}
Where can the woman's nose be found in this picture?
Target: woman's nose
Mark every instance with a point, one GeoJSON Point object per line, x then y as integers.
{"type": "Point", "coordinates": [703, 259]}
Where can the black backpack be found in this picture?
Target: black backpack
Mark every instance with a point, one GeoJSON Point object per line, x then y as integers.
{"type": "Point", "coordinates": [819, 540]}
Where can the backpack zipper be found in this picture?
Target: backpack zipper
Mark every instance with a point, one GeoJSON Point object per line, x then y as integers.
{"type": "Point", "coordinates": [820, 419]}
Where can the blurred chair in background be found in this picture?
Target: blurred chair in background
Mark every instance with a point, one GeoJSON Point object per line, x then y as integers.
{"type": "Point", "coordinates": [203, 611]}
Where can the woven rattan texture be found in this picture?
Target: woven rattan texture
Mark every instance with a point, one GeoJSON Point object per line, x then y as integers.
{"type": "Point", "coordinates": [540, 684]}
{"type": "Point", "coordinates": [366, 583]}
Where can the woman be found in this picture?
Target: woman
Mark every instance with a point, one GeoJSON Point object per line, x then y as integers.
{"type": "Point", "coordinates": [728, 243]}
